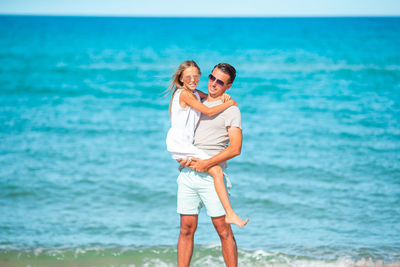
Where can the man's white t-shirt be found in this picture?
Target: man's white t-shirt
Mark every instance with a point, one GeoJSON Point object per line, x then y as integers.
{"type": "Point", "coordinates": [211, 134]}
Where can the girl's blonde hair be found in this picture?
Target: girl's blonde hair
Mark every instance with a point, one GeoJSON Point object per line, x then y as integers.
{"type": "Point", "coordinates": [176, 79]}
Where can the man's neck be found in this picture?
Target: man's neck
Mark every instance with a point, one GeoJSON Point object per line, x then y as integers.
{"type": "Point", "coordinates": [213, 98]}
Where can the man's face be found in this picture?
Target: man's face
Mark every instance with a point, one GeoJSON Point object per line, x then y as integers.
{"type": "Point", "coordinates": [215, 87]}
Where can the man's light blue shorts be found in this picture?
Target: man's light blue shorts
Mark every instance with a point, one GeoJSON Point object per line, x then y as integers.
{"type": "Point", "coordinates": [196, 189]}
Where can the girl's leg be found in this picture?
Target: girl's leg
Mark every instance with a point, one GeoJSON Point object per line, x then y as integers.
{"type": "Point", "coordinates": [230, 216]}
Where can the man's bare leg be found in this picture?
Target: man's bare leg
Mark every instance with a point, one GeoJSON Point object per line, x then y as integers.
{"type": "Point", "coordinates": [186, 237]}
{"type": "Point", "coordinates": [228, 242]}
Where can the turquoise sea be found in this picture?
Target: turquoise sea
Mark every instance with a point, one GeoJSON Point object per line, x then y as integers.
{"type": "Point", "coordinates": [85, 178]}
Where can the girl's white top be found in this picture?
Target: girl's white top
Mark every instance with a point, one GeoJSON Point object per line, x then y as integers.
{"type": "Point", "coordinates": [183, 124]}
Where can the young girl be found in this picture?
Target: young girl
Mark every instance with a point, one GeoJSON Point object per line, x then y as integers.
{"type": "Point", "coordinates": [185, 108]}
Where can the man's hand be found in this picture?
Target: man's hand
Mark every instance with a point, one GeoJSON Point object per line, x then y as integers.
{"type": "Point", "coordinates": [194, 163]}
{"type": "Point", "coordinates": [183, 162]}
{"type": "Point", "coordinates": [199, 165]}
{"type": "Point", "coordinates": [187, 162]}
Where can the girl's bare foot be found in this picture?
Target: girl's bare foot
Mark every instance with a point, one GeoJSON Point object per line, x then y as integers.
{"type": "Point", "coordinates": [234, 219]}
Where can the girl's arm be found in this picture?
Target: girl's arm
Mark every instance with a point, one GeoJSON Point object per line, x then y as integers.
{"type": "Point", "coordinates": [225, 97]}
{"type": "Point", "coordinates": [190, 100]}
{"type": "Point", "coordinates": [201, 94]}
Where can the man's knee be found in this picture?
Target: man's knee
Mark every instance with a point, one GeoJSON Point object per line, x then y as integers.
{"type": "Point", "coordinates": [188, 230]}
{"type": "Point", "coordinates": [188, 227]}
{"type": "Point", "coordinates": [225, 232]}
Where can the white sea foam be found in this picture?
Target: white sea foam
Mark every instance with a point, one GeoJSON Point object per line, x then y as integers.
{"type": "Point", "coordinates": [209, 255]}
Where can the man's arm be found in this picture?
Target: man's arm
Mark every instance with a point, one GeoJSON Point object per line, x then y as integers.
{"type": "Point", "coordinates": [231, 151]}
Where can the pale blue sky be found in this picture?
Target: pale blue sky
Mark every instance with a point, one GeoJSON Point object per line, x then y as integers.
{"type": "Point", "coordinates": [203, 7]}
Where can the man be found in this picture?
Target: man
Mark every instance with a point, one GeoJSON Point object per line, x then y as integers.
{"type": "Point", "coordinates": [220, 136]}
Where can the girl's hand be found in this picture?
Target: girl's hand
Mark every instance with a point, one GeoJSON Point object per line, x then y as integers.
{"type": "Point", "coordinates": [225, 97]}
{"type": "Point", "coordinates": [234, 103]}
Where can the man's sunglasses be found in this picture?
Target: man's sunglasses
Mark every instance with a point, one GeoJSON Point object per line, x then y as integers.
{"type": "Point", "coordinates": [212, 78]}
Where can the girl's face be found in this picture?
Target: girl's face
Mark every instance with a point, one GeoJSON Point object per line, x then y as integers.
{"type": "Point", "coordinates": [190, 78]}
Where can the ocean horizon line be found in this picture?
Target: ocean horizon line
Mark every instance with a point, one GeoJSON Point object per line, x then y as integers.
{"type": "Point", "coordinates": [201, 16]}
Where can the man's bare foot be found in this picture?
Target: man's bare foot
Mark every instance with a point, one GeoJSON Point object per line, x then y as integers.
{"type": "Point", "coordinates": [234, 219]}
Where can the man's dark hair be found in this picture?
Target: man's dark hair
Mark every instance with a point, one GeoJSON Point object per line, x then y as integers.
{"type": "Point", "coordinates": [228, 69]}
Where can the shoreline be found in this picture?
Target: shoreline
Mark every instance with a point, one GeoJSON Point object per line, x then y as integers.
{"type": "Point", "coordinates": [166, 256]}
